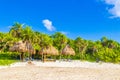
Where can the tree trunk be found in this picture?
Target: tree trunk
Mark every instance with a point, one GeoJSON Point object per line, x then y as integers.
{"type": "Point", "coordinates": [22, 56]}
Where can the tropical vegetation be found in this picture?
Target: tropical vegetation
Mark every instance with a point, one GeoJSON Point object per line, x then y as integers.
{"type": "Point", "coordinates": [106, 50]}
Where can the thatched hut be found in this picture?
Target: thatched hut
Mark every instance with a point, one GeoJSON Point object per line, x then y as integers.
{"type": "Point", "coordinates": [68, 51]}
{"type": "Point", "coordinates": [51, 51]}
{"type": "Point", "coordinates": [30, 49]}
{"type": "Point", "coordinates": [19, 47]}
{"type": "Point", "coordinates": [22, 47]}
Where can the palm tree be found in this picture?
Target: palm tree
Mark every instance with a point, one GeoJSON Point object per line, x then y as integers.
{"type": "Point", "coordinates": [78, 41]}
{"type": "Point", "coordinates": [28, 34]}
{"type": "Point", "coordinates": [16, 30]}
{"type": "Point", "coordinates": [28, 38]}
{"type": "Point", "coordinates": [60, 41]}
{"type": "Point", "coordinates": [6, 41]}
{"type": "Point", "coordinates": [81, 46]}
{"type": "Point", "coordinates": [108, 43]}
{"type": "Point", "coordinates": [104, 41]}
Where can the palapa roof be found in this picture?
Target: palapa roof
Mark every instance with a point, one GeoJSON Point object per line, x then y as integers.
{"type": "Point", "coordinates": [68, 50]}
{"type": "Point", "coordinates": [18, 47]}
{"type": "Point", "coordinates": [22, 47]}
{"type": "Point", "coordinates": [29, 47]}
{"type": "Point", "coordinates": [49, 51]}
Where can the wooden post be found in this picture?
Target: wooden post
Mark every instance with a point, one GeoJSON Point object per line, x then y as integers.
{"type": "Point", "coordinates": [42, 57]}
{"type": "Point", "coordinates": [60, 55]}
{"type": "Point", "coordinates": [20, 56]}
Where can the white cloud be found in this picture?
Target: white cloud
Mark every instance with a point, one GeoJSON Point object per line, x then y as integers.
{"type": "Point", "coordinates": [115, 10]}
{"type": "Point", "coordinates": [48, 24]}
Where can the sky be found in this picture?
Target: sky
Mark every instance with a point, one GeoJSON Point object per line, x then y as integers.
{"type": "Point", "coordinates": [89, 19]}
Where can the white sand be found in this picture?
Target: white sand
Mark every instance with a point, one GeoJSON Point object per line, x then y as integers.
{"type": "Point", "coordinates": [75, 70]}
{"type": "Point", "coordinates": [72, 64]}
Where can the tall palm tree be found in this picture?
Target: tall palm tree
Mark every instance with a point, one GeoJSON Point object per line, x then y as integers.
{"type": "Point", "coordinates": [28, 38]}
{"type": "Point", "coordinates": [104, 41]}
{"type": "Point", "coordinates": [6, 41]}
{"type": "Point", "coordinates": [59, 41]}
{"type": "Point", "coordinates": [16, 30]}
{"type": "Point", "coordinates": [81, 46]}
{"type": "Point", "coordinates": [28, 34]}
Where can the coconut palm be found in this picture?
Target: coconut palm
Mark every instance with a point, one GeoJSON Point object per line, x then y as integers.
{"type": "Point", "coordinates": [59, 40]}
{"type": "Point", "coordinates": [29, 37]}
{"type": "Point", "coordinates": [6, 41]}
{"type": "Point", "coordinates": [16, 30]}
{"type": "Point", "coordinates": [81, 46]}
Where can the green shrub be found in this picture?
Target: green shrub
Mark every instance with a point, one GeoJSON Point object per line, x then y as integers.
{"type": "Point", "coordinates": [9, 55]}
{"type": "Point", "coordinates": [7, 62]}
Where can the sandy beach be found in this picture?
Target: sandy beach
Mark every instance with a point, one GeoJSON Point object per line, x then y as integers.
{"type": "Point", "coordinates": [75, 70]}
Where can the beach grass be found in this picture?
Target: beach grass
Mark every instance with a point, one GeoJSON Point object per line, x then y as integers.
{"type": "Point", "coordinates": [7, 62]}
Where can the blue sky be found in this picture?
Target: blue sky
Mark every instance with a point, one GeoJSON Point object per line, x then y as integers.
{"type": "Point", "coordinates": [89, 19]}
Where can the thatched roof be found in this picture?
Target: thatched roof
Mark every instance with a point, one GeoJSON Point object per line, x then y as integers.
{"type": "Point", "coordinates": [68, 50]}
{"type": "Point", "coordinates": [22, 47]}
{"type": "Point", "coordinates": [49, 51]}
{"type": "Point", "coordinates": [18, 47]}
{"type": "Point", "coordinates": [29, 47]}
{"type": "Point", "coordinates": [32, 51]}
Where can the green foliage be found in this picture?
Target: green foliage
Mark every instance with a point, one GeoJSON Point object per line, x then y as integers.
{"type": "Point", "coordinates": [7, 58]}
{"type": "Point", "coordinates": [106, 50]}
{"type": "Point", "coordinates": [90, 58]}
{"type": "Point", "coordinates": [59, 40]}
{"type": "Point", "coordinates": [9, 55]}
{"type": "Point", "coordinates": [7, 62]}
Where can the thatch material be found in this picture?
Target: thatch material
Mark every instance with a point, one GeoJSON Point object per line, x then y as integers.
{"type": "Point", "coordinates": [52, 51]}
{"type": "Point", "coordinates": [49, 51]}
{"type": "Point", "coordinates": [18, 47]}
{"type": "Point", "coordinates": [22, 47]}
{"type": "Point", "coordinates": [68, 50]}
{"type": "Point", "coordinates": [30, 49]}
